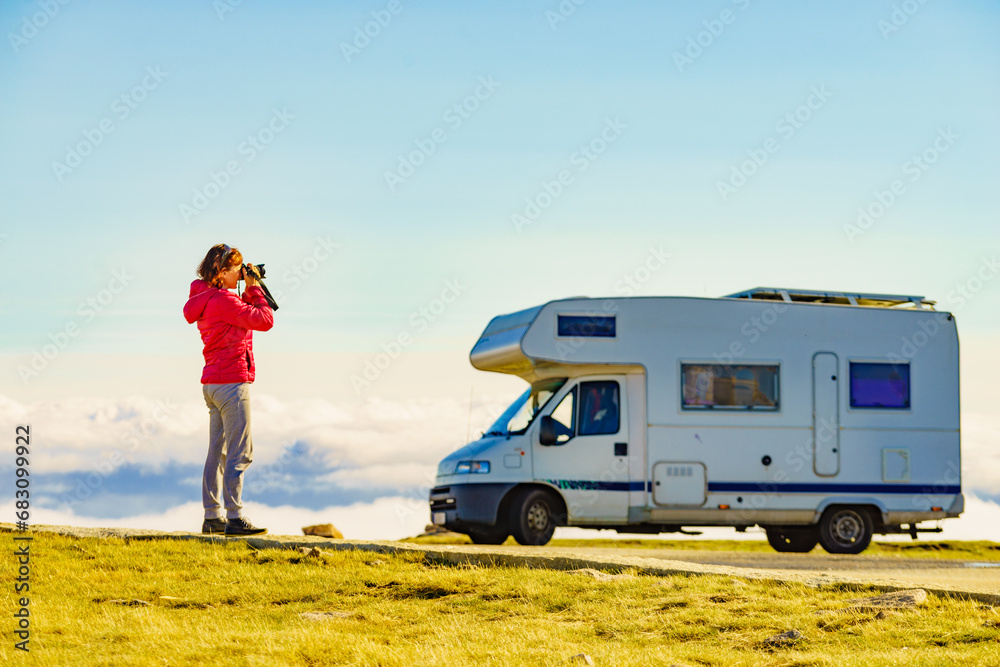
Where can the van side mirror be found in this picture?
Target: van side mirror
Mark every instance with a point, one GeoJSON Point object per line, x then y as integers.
{"type": "Point", "coordinates": [547, 431]}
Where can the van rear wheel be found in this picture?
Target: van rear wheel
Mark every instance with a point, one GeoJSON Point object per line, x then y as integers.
{"type": "Point", "coordinates": [533, 517]}
{"type": "Point", "coordinates": [845, 530]}
{"type": "Point", "coordinates": [792, 539]}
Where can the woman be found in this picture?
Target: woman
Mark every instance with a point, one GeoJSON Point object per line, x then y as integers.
{"type": "Point", "coordinates": [227, 323]}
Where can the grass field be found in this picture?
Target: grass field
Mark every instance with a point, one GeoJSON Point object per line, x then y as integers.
{"type": "Point", "coordinates": [114, 602]}
{"type": "Point", "coordinates": [987, 551]}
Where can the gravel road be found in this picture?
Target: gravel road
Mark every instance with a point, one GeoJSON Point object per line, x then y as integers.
{"type": "Point", "coordinates": [928, 572]}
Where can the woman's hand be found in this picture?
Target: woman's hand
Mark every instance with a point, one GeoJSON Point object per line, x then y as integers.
{"type": "Point", "coordinates": [249, 277]}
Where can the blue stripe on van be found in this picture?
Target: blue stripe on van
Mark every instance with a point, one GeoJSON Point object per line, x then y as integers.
{"type": "Point", "coordinates": [594, 485]}
{"type": "Point", "coordinates": [765, 487]}
{"type": "Point", "coordinates": [822, 487]}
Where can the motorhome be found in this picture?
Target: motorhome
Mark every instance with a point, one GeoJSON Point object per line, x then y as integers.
{"type": "Point", "coordinates": [822, 417]}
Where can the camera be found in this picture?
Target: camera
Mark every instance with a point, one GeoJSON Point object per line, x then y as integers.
{"type": "Point", "coordinates": [257, 272]}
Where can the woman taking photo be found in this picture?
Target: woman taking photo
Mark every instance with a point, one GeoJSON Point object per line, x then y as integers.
{"type": "Point", "coordinates": [227, 323]}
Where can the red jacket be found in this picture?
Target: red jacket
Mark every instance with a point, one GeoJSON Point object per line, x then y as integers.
{"type": "Point", "coordinates": [226, 323]}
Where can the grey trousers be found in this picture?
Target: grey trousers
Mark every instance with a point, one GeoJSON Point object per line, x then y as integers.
{"type": "Point", "coordinates": [230, 448]}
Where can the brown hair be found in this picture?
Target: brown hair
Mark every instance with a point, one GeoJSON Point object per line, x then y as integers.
{"type": "Point", "coordinates": [219, 258]}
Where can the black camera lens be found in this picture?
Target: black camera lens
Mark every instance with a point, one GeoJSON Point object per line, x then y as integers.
{"type": "Point", "coordinates": [257, 271]}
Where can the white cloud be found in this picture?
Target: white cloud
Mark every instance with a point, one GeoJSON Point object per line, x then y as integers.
{"type": "Point", "coordinates": [979, 521]}
{"type": "Point", "coordinates": [390, 440]}
{"type": "Point", "coordinates": [980, 453]}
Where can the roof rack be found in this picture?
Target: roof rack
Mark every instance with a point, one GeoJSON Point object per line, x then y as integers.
{"type": "Point", "coordinates": [834, 298]}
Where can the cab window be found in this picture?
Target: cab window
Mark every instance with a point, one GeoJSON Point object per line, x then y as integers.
{"type": "Point", "coordinates": [599, 408]}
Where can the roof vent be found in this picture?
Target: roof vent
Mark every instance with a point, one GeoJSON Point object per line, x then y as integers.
{"type": "Point", "coordinates": [790, 295]}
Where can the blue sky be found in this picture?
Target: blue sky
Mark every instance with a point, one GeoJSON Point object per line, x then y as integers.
{"type": "Point", "coordinates": [839, 97]}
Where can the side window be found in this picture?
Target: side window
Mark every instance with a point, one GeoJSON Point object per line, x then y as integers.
{"type": "Point", "coordinates": [563, 416]}
{"type": "Point", "coordinates": [729, 387]}
{"type": "Point", "coordinates": [880, 385]}
{"type": "Point", "coordinates": [599, 408]}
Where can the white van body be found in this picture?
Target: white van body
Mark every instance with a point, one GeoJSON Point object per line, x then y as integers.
{"type": "Point", "coordinates": [820, 416]}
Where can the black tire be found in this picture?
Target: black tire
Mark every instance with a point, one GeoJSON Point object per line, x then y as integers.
{"type": "Point", "coordinates": [533, 517]}
{"type": "Point", "coordinates": [490, 535]}
{"type": "Point", "coordinates": [845, 529]}
{"type": "Point", "coordinates": [792, 539]}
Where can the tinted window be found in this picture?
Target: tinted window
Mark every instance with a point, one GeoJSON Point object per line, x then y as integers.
{"type": "Point", "coordinates": [599, 413]}
{"type": "Point", "coordinates": [710, 386]}
{"type": "Point", "coordinates": [591, 326]}
{"type": "Point", "coordinates": [880, 385]}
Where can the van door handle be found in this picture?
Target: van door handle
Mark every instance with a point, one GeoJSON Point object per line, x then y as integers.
{"type": "Point", "coordinates": [621, 449]}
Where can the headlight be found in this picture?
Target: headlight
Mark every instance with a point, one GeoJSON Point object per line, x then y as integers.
{"type": "Point", "coordinates": [474, 467]}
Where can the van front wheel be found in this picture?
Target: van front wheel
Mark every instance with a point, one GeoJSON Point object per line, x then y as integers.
{"type": "Point", "coordinates": [845, 530]}
{"type": "Point", "coordinates": [492, 535]}
{"type": "Point", "coordinates": [532, 517]}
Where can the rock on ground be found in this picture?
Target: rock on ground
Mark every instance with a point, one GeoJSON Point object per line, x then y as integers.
{"type": "Point", "coordinates": [784, 639]}
{"type": "Point", "coordinates": [895, 600]}
{"type": "Point", "coordinates": [323, 530]}
{"type": "Point", "coordinates": [433, 529]}
{"type": "Point", "coordinates": [313, 552]}
{"type": "Point", "coordinates": [602, 576]}
{"type": "Point", "coordinates": [323, 615]}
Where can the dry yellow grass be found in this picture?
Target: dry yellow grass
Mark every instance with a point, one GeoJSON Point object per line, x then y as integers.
{"type": "Point", "coordinates": [226, 604]}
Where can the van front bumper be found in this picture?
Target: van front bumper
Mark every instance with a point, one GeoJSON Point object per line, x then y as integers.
{"type": "Point", "coordinates": [461, 506]}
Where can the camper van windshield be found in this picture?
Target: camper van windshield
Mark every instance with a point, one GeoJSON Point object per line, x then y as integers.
{"type": "Point", "coordinates": [520, 414]}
